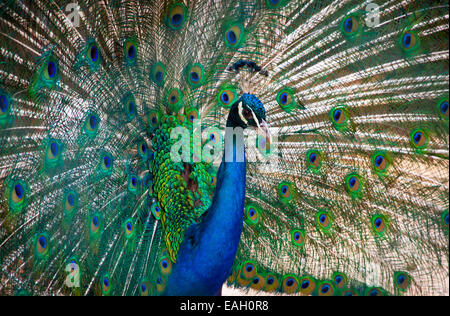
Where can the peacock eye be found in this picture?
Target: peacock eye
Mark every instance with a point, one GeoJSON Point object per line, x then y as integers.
{"type": "Point", "coordinates": [247, 114]}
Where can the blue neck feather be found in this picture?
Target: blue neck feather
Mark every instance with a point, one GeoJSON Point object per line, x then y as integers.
{"type": "Point", "coordinates": [208, 250]}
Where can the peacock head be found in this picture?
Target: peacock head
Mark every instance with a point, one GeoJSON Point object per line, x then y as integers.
{"type": "Point", "coordinates": [249, 111]}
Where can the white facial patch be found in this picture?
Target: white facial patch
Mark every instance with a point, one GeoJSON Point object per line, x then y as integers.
{"type": "Point", "coordinates": [240, 110]}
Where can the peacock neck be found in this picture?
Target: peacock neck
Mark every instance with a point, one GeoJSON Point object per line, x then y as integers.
{"type": "Point", "coordinates": [209, 248]}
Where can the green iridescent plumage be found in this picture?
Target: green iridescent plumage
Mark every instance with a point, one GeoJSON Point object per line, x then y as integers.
{"type": "Point", "coordinates": [182, 190]}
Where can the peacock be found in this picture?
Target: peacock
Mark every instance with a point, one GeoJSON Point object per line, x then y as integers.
{"type": "Point", "coordinates": [169, 147]}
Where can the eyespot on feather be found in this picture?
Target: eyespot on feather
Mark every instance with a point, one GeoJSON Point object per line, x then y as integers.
{"type": "Point", "coordinates": [234, 35]}
{"type": "Point", "coordinates": [290, 284]}
{"type": "Point", "coordinates": [402, 281]}
{"type": "Point", "coordinates": [271, 283]}
{"type": "Point", "coordinates": [419, 139]}
{"type": "Point", "coordinates": [156, 210]}
{"type": "Point", "coordinates": [285, 192]}
{"type": "Point", "coordinates": [325, 289]}
{"type": "Point", "coordinates": [248, 270]}
{"type": "Point", "coordinates": [298, 237]}
{"type": "Point", "coordinates": [252, 214]}
{"type": "Point", "coordinates": [324, 220]}
{"type": "Point", "coordinates": [227, 96]}
{"type": "Point", "coordinates": [177, 16]}
{"type": "Point", "coordinates": [307, 285]}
